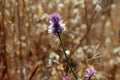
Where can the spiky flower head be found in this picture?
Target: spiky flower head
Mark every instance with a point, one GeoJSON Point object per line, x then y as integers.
{"type": "Point", "coordinates": [56, 24]}
{"type": "Point", "coordinates": [90, 72]}
{"type": "Point", "coordinates": [65, 78]}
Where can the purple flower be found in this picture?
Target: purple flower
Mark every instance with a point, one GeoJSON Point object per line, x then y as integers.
{"type": "Point", "coordinates": [65, 78]}
{"type": "Point", "coordinates": [90, 72]}
{"type": "Point", "coordinates": [56, 24]}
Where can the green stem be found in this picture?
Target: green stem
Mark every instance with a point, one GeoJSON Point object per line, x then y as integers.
{"type": "Point", "coordinates": [67, 60]}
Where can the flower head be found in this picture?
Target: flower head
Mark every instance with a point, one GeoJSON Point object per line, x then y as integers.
{"type": "Point", "coordinates": [90, 72]}
{"type": "Point", "coordinates": [65, 78]}
{"type": "Point", "coordinates": [56, 24]}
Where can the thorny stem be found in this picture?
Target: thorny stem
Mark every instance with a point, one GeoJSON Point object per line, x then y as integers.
{"type": "Point", "coordinates": [67, 60]}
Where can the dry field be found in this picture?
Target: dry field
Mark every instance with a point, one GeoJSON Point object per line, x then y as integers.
{"type": "Point", "coordinates": [29, 52]}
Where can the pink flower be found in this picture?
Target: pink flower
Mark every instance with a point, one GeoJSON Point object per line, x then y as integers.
{"type": "Point", "coordinates": [90, 72]}
{"type": "Point", "coordinates": [65, 78]}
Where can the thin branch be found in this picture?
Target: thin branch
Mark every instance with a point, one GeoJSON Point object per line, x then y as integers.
{"type": "Point", "coordinates": [3, 42]}
{"type": "Point", "coordinates": [34, 71]}
{"type": "Point", "coordinates": [87, 23]}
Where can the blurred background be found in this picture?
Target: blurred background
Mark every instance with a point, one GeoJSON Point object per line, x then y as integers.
{"type": "Point", "coordinates": [29, 52]}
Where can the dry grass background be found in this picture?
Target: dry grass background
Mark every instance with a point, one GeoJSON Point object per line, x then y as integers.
{"type": "Point", "coordinates": [28, 52]}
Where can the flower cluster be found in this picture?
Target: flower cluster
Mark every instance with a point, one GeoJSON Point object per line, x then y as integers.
{"type": "Point", "coordinates": [56, 24]}
{"type": "Point", "coordinates": [90, 72]}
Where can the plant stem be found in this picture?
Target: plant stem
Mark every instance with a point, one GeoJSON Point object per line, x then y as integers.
{"type": "Point", "coordinates": [67, 60]}
{"type": "Point", "coordinates": [89, 78]}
